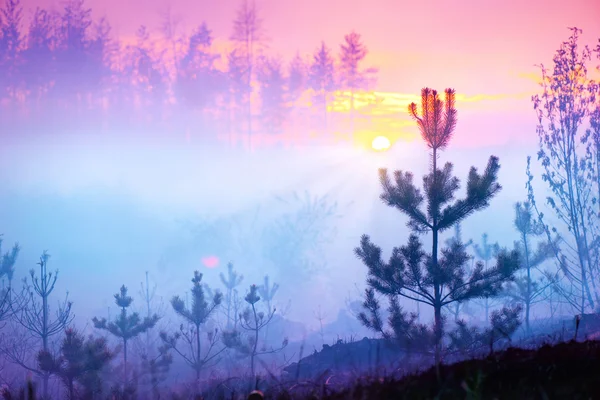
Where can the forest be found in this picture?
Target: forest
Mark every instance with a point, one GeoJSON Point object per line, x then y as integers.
{"type": "Point", "coordinates": [438, 313]}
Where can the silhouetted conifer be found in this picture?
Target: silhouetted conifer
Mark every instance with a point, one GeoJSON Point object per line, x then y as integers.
{"type": "Point", "coordinates": [230, 282]}
{"type": "Point", "coordinates": [321, 79]}
{"type": "Point", "coordinates": [78, 362]}
{"type": "Point", "coordinates": [252, 321]}
{"type": "Point", "coordinates": [411, 272]}
{"type": "Point", "coordinates": [528, 289]}
{"type": "Point", "coordinates": [195, 316]}
{"type": "Point", "coordinates": [126, 326]}
{"type": "Point", "coordinates": [353, 78]}
{"type": "Point", "coordinates": [7, 270]}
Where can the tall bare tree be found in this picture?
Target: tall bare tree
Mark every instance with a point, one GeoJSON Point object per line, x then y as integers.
{"type": "Point", "coordinates": [569, 159]}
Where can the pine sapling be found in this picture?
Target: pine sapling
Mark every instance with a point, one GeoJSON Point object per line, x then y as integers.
{"type": "Point", "coordinates": [267, 294]}
{"type": "Point", "coordinates": [526, 289]}
{"type": "Point", "coordinates": [252, 322]}
{"type": "Point", "coordinates": [230, 282]}
{"type": "Point", "coordinates": [437, 280]}
{"type": "Point", "coordinates": [126, 326]}
{"type": "Point", "coordinates": [79, 362]}
{"type": "Point", "coordinates": [8, 306]}
{"type": "Point", "coordinates": [195, 317]}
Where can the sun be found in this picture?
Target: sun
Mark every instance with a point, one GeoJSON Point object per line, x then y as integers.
{"type": "Point", "coordinates": [380, 143]}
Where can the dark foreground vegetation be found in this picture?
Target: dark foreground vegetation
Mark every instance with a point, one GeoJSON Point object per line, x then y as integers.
{"type": "Point", "coordinates": [567, 370]}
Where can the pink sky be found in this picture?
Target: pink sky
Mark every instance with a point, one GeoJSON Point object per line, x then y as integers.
{"type": "Point", "coordinates": [478, 47]}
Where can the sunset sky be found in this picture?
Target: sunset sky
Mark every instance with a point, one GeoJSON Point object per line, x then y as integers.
{"type": "Point", "coordinates": [486, 50]}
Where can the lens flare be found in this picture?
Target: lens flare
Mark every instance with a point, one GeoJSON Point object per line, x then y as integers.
{"type": "Point", "coordinates": [380, 143]}
{"type": "Point", "coordinates": [210, 261]}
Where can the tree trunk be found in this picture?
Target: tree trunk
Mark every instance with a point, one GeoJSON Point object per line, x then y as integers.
{"type": "Point", "coordinates": [125, 359]}
{"type": "Point", "coordinates": [71, 390]}
{"type": "Point", "coordinates": [436, 286]}
{"type": "Point", "coordinates": [198, 353]}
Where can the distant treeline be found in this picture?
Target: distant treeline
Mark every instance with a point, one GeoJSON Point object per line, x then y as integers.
{"type": "Point", "coordinates": [61, 70]}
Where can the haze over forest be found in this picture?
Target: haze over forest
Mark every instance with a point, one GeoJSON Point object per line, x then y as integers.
{"type": "Point", "coordinates": [140, 142]}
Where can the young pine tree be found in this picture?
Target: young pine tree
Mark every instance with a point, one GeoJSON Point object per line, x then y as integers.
{"type": "Point", "coordinates": [252, 321]}
{"type": "Point", "coordinates": [230, 282]}
{"type": "Point", "coordinates": [7, 270]}
{"type": "Point", "coordinates": [79, 362]}
{"type": "Point", "coordinates": [196, 317]}
{"type": "Point", "coordinates": [321, 79]}
{"type": "Point", "coordinates": [526, 289]}
{"type": "Point", "coordinates": [486, 253]}
{"type": "Point", "coordinates": [126, 326]}
{"type": "Point", "coordinates": [429, 277]}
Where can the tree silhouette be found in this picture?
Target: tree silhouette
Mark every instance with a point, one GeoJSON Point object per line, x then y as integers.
{"type": "Point", "coordinates": [252, 321]}
{"type": "Point", "coordinates": [11, 46]}
{"type": "Point", "coordinates": [297, 83]}
{"type": "Point", "coordinates": [294, 239]}
{"type": "Point", "coordinates": [238, 95]}
{"type": "Point", "coordinates": [321, 79]}
{"type": "Point", "coordinates": [198, 82]}
{"type": "Point", "coordinates": [7, 270]}
{"type": "Point", "coordinates": [352, 53]}
{"type": "Point", "coordinates": [156, 360]}
{"type": "Point", "coordinates": [526, 289]}
{"type": "Point", "coordinates": [469, 340]}
{"type": "Point", "coordinates": [80, 361]}
{"type": "Point", "coordinates": [411, 272]}
{"type": "Point", "coordinates": [486, 252]}
{"type": "Point", "coordinates": [568, 156]}
{"type": "Point", "coordinates": [249, 36]}
{"type": "Point", "coordinates": [297, 77]}
{"type": "Point", "coordinates": [71, 55]}
{"type": "Point", "coordinates": [126, 326]}
{"type": "Point", "coordinates": [35, 314]}
{"type": "Point", "coordinates": [274, 109]}
{"type": "Point", "coordinates": [39, 63]}
{"type": "Point", "coordinates": [267, 293]}
{"type": "Point", "coordinates": [230, 282]}
{"type": "Point", "coordinates": [196, 316]}
{"type": "Point", "coordinates": [145, 75]}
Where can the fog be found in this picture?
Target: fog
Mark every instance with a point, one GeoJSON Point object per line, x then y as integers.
{"type": "Point", "coordinates": [109, 209]}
